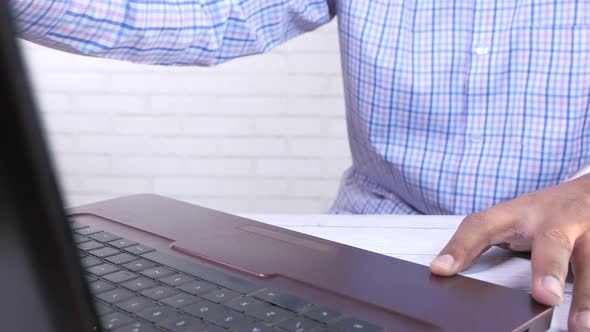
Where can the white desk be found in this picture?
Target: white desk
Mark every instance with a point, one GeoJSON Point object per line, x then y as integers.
{"type": "Point", "coordinates": [417, 239]}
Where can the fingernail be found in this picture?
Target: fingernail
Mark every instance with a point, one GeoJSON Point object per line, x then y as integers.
{"type": "Point", "coordinates": [444, 262]}
{"type": "Point", "coordinates": [583, 319]}
{"type": "Point", "coordinates": [552, 284]}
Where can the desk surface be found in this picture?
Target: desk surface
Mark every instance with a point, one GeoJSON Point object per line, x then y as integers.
{"type": "Point", "coordinates": [417, 239]}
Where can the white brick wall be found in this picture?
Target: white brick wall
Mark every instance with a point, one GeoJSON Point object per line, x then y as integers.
{"type": "Point", "coordinates": [260, 134]}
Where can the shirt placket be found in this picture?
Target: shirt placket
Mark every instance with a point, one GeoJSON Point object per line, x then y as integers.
{"type": "Point", "coordinates": [476, 99]}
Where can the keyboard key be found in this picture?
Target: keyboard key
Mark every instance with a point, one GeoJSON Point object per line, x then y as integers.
{"type": "Point", "coordinates": [90, 261]}
{"type": "Point", "coordinates": [352, 324]}
{"type": "Point", "coordinates": [90, 278]}
{"type": "Point", "coordinates": [202, 271]}
{"type": "Point", "coordinates": [159, 292]}
{"type": "Point", "coordinates": [203, 309]}
{"type": "Point", "coordinates": [228, 319]}
{"type": "Point", "coordinates": [100, 286]}
{"type": "Point", "coordinates": [80, 238]}
{"type": "Point", "coordinates": [257, 327]}
{"type": "Point", "coordinates": [244, 304]}
{"type": "Point", "coordinates": [90, 245]}
{"type": "Point", "coordinates": [120, 276]}
{"type": "Point", "coordinates": [104, 237]}
{"type": "Point", "coordinates": [104, 252]}
{"type": "Point", "coordinates": [115, 295]}
{"type": "Point", "coordinates": [139, 265]}
{"type": "Point", "coordinates": [86, 231]}
{"type": "Point", "coordinates": [197, 287]}
{"type": "Point", "coordinates": [122, 243]}
{"type": "Point", "coordinates": [75, 225]}
{"type": "Point", "coordinates": [181, 323]}
{"type": "Point", "coordinates": [180, 300]}
{"type": "Point", "coordinates": [323, 314]}
{"type": "Point", "coordinates": [271, 314]}
{"type": "Point", "coordinates": [102, 309]}
{"type": "Point", "coordinates": [157, 272]}
{"type": "Point", "coordinates": [139, 249]}
{"type": "Point", "coordinates": [121, 258]}
{"type": "Point", "coordinates": [136, 326]}
{"type": "Point", "coordinates": [176, 279]}
{"type": "Point", "coordinates": [207, 328]}
{"type": "Point", "coordinates": [220, 295]}
{"type": "Point", "coordinates": [139, 284]}
{"type": "Point", "coordinates": [102, 269]}
{"type": "Point", "coordinates": [298, 324]}
{"type": "Point", "coordinates": [135, 304]}
{"type": "Point", "coordinates": [156, 314]}
{"type": "Point", "coordinates": [283, 299]}
{"type": "Point", "coordinates": [114, 320]}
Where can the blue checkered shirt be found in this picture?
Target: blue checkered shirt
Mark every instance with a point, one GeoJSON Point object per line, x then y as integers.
{"type": "Point", "coordinates": [452, 106]}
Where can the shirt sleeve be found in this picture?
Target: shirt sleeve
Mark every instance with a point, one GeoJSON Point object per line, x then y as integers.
{"type": "Point", "coordinates": [167, 32]}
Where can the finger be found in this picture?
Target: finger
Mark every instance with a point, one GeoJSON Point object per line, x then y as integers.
{"type": "Point", "coordinates": [472, 238]}
{"type": "Point", "coordinates": [580, 310]}
{"type": "Point", "coordinates": [552, 249]}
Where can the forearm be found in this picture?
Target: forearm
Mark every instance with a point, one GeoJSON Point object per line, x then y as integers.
{"type": "Point", "coordinates": [166, 31]}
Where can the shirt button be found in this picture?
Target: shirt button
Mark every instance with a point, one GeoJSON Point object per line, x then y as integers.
{"type": "Point", "coordinates": [482, 50]}
{"type": "Point", "coordinates": [476, 138]}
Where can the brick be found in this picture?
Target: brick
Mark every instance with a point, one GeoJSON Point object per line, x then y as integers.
{"type": "Point", "coordinates": [71, 82]}
{"type": "Point", "coordinates": [304, 188]}
{"type": "Point", "coordinates": [109, 103]}
{"type": "Point", "coordinates": [185, 185]}
{"type": "Point", "coordinates": [253, 147]}
{"type": "Point", "coordinates": [318, 147]}
{"type": "Point", "coordinates": [288, 126]}
{"type": "Point", "coordinates": [184, 146]}
{"type": "Point", "coordinates": [255, 187]}
{"type": "Point", "coordinates": [322, 105]}
{"type": "Point", "coordinates": [146, 125]}
{"type": "Point", "coordinates": [61, 143]}
{"type": "Point", "coordinates": [333, 168]}
{"type": "Point", "coordinates": [53, 102]}
{"type": "Point", "coordinates": [218, 126]}
{"type": "Point", "coordinates": [112, 144]}
{"type": "Point", "coordinates": [334, 128]}
{"type": "Point", "coordinates": [147, 165]}
{"type": "Point", "coordinates": [77, 123]}
{"type": "Point", "coordinates": [314, 85]}
{"type": "Point", "coordinates": [115, 184]}
{"type": "Point", "coordinates": [289, 168]}
{"type": "Point", "coordinates": [82, 163]}
{"type": "Point", "coordinates": [216, 105]}
{"type": "Point", "coordinates": [315, 63]}
{"type": "Point", "coordinates": [220, 166]}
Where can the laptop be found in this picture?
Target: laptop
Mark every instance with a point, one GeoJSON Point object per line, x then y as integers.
{"type": "Point", "coordinates": [145, 262]}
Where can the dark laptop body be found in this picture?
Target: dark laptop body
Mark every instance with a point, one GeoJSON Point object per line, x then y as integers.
{"type": "Point", "coordinates": [305, 279]}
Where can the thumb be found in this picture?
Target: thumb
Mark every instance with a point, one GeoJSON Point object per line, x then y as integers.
{"type": "Point", "coordinates": [472, 238]}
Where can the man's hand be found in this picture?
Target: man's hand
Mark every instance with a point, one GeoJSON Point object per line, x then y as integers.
{"type": "Point", "coordinates": [553, 223]}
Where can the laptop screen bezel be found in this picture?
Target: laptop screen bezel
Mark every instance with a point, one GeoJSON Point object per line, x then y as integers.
{"type": "Point", "coordinates": [47, 270]}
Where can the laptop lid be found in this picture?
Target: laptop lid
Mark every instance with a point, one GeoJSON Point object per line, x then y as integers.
{"type": "Point", "coordinates": [42, 285]}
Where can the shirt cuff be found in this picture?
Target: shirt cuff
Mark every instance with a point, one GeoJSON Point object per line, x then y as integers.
{"type": "Point", "coordinates": [35, 19]}
{"type": "Point", "coordinates": [582, 171]}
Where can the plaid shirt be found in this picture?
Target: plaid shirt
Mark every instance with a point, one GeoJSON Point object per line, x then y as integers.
{"type": "Point", "coordinates": [452, 106]}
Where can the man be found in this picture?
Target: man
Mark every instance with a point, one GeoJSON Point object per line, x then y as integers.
{"type": "Point", "coordinates": [453, 107]}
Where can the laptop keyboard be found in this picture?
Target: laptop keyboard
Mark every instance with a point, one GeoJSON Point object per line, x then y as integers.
{"type": "Point", "coordinates": [138, 289]}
